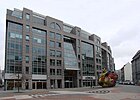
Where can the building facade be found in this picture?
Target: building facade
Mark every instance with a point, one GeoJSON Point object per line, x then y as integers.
{"type": "Point", "coordinates": [43, 52]}
{"type": "Point", "coordinates": [126, 72]}
{"type": "Point", "coordinates": [136, 67]}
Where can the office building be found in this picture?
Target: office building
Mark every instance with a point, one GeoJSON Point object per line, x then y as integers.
{"type": "Point", "coordinates": [43, 52]}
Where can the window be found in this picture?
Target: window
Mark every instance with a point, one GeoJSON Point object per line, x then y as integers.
{"type": "Point", "coordinates": [12, 35]}
{"type": "Point", "coordinates": [58, 71]}
{"type": "Point", "coordinates": [52, 35]}
{"type": "Point", "coordinates": [58, 36]}
{"type": "Point", "coordinates": [52, 25]}
{"type": "Point", "coordinates": [52, 62]}
{"type": "Point", "coordinates": [27, 28]}
{"type": "Point", "coordinates": [27, 48]}
{"type": "Point", "coordinates": [27, 59]}
{"type": "Point", "coordinates": [58, 62]}
{"type": "Point", "coordinates": [52, 71]}
{"type": "Point", "coordinates": [27, 37]}
{"type": "Point", "coordinates": [58, 44]}
{"type": "Point", "coordinates": [58, 53]}
{"type": "Point", "coordinates": [51, 43]}
{"type": "Point", "coordinates": [78, 32]}
{"type": "Point", "coordinates": [57, 27]}
{"type": "Point", "coordinates": [27, 17]}
{"type": "Point", "coordinates": [27, 70]}
{"type": "Point", "coordinates": [52, 53]}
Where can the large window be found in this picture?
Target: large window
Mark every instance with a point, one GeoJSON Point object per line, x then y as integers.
{"type": "Point", "coordinates": [87, 59]}
{"type": "Point", "coordinates": [14, 48]}
{"type": "Point", "coordinates": [70, 60]}
{"type": "Point", "coordinates": [39, 51]}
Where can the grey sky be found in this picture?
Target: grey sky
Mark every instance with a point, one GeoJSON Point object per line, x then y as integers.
{"type": "Point", "coordinates": [115, 21]}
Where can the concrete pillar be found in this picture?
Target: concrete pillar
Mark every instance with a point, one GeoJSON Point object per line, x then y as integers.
{"type": "Point", "coordinates": [30, 84]}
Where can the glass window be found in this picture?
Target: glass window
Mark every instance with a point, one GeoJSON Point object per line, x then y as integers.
{"type": "Point", "coordinates": [27, 48]}
{"type": "Point", "coordinates": [27, 16]}
{"type": "Point", "coordinates": [52, 35]}
{"type": "Point", "coordinates": [58, 36]}
{"type": "Point", "coordinates": [51, 43]}
{"type": "Point", "coordinates": [27, 28]}
{"type": "Point", "coordinates": [58, 44]}
{"type": "Point", "coordinates": [27, 59]}
{"type": "Point", "coordinates": [52, 25]}
{"type": "Point", "coordinates": [78, 32]}
{"type": "Point", "coordinates": [27, 37]}
{"type": "Point", "coordinates": [52, 62]}
{"type": "Point", "coordinates": [58, 71]}
{"type": "Point", "coordinates": [58, 53]}
{"type": "Point", "coordinates": [12, 35]}
{"type": "Point", "coordinates": [57, 27]}
{"type": "Point", "coordinates": [27, 70]}
{"type": "Point", "coordinates": [52, 71]}
{"type": "Point", "coordinates": [58, 62]}
{"type": "Point", "coordinates": [38, 20]}
{"type": "Point", "coordinates": [52, 53]}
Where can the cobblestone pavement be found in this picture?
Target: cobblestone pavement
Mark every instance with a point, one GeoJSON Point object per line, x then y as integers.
{"type": "Point", "coordinates": [114, 93]}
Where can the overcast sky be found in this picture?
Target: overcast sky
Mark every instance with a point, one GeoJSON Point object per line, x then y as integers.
{"type": "Point", "coordinates": [115, 21]}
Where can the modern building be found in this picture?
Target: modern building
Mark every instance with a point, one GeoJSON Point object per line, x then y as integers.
{"type": "Point", "coordinates": [136, 67]}
{"type": "Point", "coordinates": [43, 52]}
{"type": "Point", "coordinates": [126, 72]}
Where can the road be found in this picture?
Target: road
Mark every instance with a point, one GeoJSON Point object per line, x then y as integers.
{"type": "Point", "coordinates": [120, 92]}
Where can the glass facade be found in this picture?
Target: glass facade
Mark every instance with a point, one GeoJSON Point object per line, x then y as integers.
{"type": "Point", "coordinates": [88, 65]}
{"type": "Point", "coordinates": [14, 48]}
{"type": "Point", "coordinates": [87, 59]}
{"type": "Point", "coordinates": [70, 60]}
{"type": "Point", "coordinates": [39, 52]}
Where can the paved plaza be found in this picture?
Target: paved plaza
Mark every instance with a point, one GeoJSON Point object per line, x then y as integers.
{"type": "Point", "coordinates": [89, 93]}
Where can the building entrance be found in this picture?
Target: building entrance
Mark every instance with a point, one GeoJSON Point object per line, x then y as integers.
{"type": "Point", "coordinates": [70, 78]}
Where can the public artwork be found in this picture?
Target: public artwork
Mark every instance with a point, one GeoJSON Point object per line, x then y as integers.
{"type": "Point", "coordinates": [107, 78]}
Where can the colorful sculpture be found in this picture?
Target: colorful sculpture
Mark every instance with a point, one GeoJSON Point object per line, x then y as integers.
{"type": "Point", "coordinates": [107, 78]}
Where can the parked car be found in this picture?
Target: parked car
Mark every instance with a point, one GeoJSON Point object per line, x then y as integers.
{"type": "Point", "coordinates": [132, 83]}
{"type": "Point", "coordinates": [126, 83]}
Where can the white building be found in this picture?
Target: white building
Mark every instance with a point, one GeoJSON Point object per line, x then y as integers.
{"type": "Point", "coordinates": [128, 72]}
